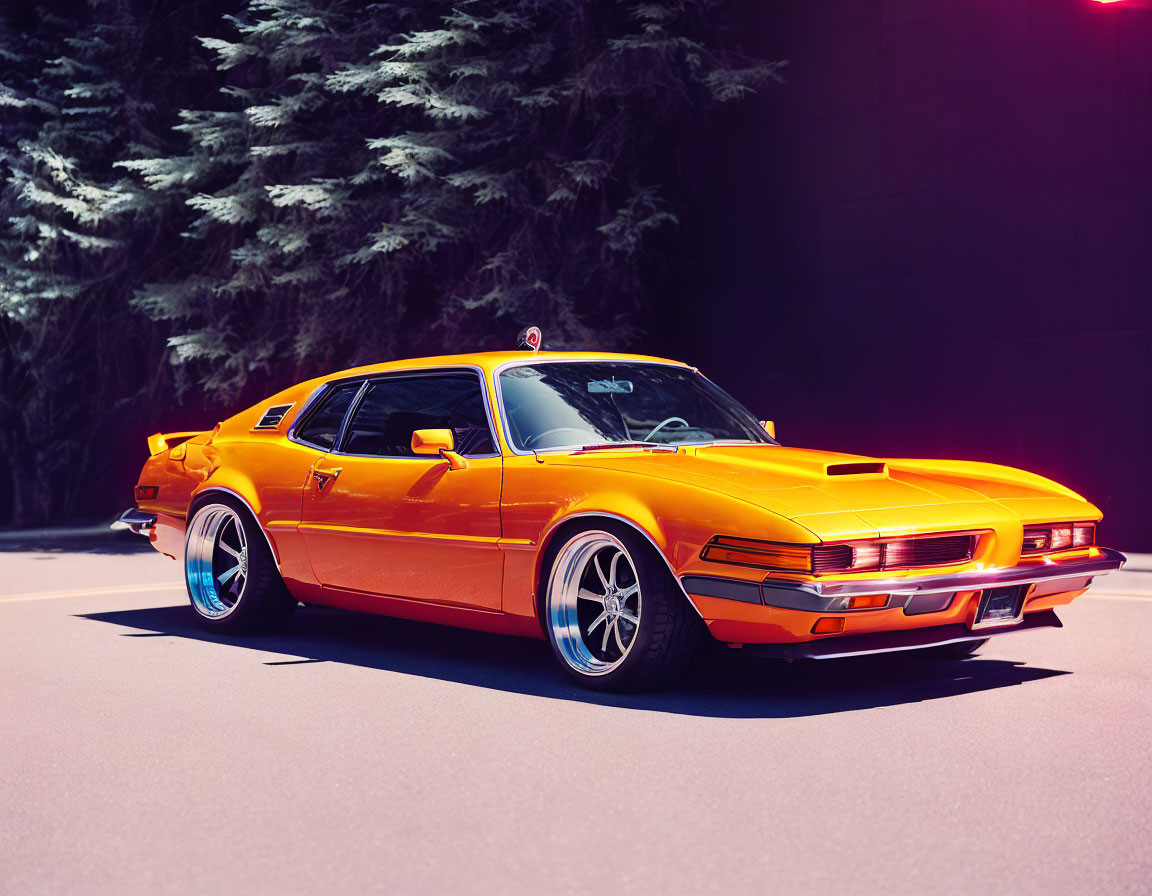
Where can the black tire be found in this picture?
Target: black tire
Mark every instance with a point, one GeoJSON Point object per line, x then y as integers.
{"type": "Point", "coordinates": [669, 628]}
{"type": "Point", "coordinates": [959, 650]}
{"type": "Point", "coordinates": [264, 603]}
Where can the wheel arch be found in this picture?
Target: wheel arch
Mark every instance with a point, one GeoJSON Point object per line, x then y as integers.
{"type": "Point", "coordinates": [208, 493]}
{"type": "Point", "coordinates": [582, 519]}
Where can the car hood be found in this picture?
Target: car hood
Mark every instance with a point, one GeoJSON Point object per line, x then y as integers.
{"type": "Point", "coordinates": [838, 495]}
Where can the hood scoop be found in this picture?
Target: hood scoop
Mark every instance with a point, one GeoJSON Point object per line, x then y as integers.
{"type": "Point", "coordinates": [857, 468]}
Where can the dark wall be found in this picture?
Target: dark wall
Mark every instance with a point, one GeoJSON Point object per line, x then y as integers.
{"type": "Point", "coordinates": [936, 240]}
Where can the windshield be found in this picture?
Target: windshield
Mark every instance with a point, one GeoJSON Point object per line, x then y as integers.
{"type": "Point", "coordinates": [572, 404]}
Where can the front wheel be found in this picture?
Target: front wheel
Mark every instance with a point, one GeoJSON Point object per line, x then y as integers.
{"type": "Point", "coordinates": [232, 579]}
{"type": "Point", "coordinates": [615, 617]}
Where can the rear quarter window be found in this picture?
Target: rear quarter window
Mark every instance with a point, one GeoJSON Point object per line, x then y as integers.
{"type": "Point", "coordinates": [323, 425]}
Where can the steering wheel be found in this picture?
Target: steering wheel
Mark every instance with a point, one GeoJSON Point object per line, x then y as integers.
{"type": "Point", "coordinates": [533, 439]}
{"type": "Point", "coordinates": [659, 426]}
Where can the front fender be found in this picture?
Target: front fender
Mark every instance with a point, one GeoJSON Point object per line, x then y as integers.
{"type": "Point", "coordinates": [677, 518]}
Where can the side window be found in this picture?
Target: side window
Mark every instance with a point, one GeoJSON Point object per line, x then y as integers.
{"type": "Point", "coordinates": [323, 425]}
{"type": "Point", "coordinates": [396, 407]}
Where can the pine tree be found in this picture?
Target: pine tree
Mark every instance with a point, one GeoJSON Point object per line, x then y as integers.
{"type": "Point", "coordinates": [313, 184]}
{"type": "Point", "coordinates": [443, 170]}
{"type": "Point", "coordinates": [75, 357]}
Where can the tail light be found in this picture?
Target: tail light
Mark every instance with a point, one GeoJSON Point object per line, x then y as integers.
{"type": "Point", "coordinates": [146, 492]}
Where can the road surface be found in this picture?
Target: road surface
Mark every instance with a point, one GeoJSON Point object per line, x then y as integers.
{"type": "Point", "coordinates": [358, 754]}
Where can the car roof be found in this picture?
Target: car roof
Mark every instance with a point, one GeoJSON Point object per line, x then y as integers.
{"type": "Point", "coordinates": [490, 361]}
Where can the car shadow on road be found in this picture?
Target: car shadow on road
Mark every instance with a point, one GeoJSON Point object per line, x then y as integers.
{"type": "Point", "coordinates": [53, 544]}
{"type": "Point", "coordinates": [722, 683]}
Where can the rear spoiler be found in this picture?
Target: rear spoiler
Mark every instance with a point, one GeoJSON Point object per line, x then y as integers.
{"type": "Point", "coordinates": [162, 441]}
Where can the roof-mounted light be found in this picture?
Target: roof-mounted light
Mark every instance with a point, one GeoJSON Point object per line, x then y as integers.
{"type": "Point", "coordinates": [530, 338]}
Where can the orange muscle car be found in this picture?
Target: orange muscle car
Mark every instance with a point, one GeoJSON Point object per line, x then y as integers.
{"type": "Point", "coordinates": [620, 506]}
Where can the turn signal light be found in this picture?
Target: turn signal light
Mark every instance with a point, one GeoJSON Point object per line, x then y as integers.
{"type": "Point", "coordinates": [146, 492]}
{"type": "Point", "coordinates": [828, 625]}
{"type": "Point", "coordinates": [759, 554]}
{"type": "Point", "coordinates": [867, 602]}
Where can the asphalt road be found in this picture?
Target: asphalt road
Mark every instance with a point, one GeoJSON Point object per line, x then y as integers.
{"type": "Point", "coordinates": [358, 754]}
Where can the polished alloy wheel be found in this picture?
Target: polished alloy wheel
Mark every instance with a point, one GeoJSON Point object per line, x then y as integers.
{"type": "Point", "coordinates": [594, 603]}
{"type": "Point", "coordinates": [216, 560]}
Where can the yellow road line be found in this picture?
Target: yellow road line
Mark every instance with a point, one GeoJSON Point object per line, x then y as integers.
{"type": "Point", "coordinates": [87, 592]}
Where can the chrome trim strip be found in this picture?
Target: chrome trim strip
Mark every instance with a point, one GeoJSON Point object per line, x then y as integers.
{"type": "Point", "coordinates": [135, 520]}
{"type": "Point", "coordinates": [973, 580]}
{"type": "Point", "coordinates": [832, 596]}
{"type": "Point", "coordinates": [481, 540]}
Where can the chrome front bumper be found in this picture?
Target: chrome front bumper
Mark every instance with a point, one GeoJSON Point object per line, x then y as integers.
{"type": "Point", "coordinates": [139, 521]}
{"type": "Point", "coordinates": [831, 596]}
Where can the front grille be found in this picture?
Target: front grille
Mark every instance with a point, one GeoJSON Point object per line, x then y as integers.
{"type": "Point", "coordinates": [901, 553]}
{"type": "Point", "coordinates": [829, 557]}
{"type": "Point", "coordinates": [931, 551]}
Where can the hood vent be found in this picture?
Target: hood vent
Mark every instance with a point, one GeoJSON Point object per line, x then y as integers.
{"type": "Point", "coordinates": [856, 468]}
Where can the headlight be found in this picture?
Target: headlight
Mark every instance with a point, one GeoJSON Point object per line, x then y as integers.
{"type": "Point", "coordinates": [1058, 537]}
{"type": "Point", "coordinates": [905, 552]}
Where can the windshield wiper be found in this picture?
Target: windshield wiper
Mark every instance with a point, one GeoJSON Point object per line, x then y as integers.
{"type": "Point", "coordinates": [604, 446]}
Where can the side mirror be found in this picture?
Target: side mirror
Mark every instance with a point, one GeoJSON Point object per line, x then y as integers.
{"type": "Point", "coordinates": [769, 427]}
{"type": "Point", "coordinates": [441, 442]}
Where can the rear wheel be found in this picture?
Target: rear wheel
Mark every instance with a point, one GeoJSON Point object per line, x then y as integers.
{"type": "Point", "coordinates": [232, 579]}
{"type": "Point", "coordinates": [615, 617]}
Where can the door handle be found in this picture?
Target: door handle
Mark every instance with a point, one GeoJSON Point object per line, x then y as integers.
{"type": "Point", "coordinates": [325, 477]}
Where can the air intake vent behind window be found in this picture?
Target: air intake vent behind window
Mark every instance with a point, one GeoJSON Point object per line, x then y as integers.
{"type": "Point", "coordinates": [273, 416]}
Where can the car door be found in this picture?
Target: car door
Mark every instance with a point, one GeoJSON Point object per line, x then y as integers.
{"type": "Point", "coordinates": [379, 519]}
